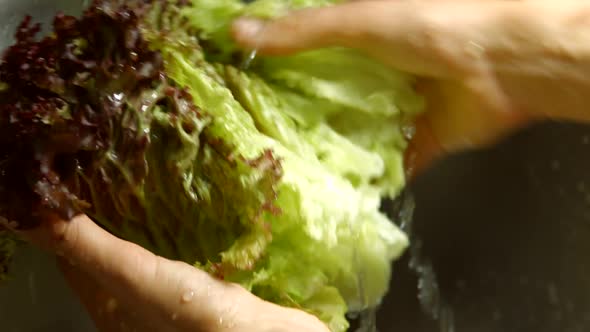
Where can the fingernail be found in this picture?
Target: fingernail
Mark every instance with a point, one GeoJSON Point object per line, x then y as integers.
{"type": "Point", "coordinates": [249, 28]}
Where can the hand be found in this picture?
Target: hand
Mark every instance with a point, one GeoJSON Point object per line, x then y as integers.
{"type": "Point", "coordinates": [485, 67]}
{"type": "Point", "coordinates": [126, 288]}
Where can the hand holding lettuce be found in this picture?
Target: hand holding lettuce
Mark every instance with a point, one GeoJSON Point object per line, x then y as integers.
{"type": "Point", "coordinates": [471, 64]}
{"type": "Point", "coordinates": [125, 287]}
{"type": "Point", "coordinates": [139, 116]}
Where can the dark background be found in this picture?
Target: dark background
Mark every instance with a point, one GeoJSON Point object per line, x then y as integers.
{"type": "Point", "coordinates": [508, 233]}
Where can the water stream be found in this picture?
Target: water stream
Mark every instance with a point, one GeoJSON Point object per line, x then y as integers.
{"type": "Point", "coordinates": [428, 291]}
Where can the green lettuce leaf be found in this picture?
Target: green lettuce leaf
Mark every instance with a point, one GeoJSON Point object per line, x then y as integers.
{"type": "Point", "coordinates": [335, 119]}
{"type": "Point", "coordinates": [271, 176]}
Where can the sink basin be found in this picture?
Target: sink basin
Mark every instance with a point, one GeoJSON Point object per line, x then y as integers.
{"type": "Point", "coordinates": [502, 236]}
{"type": "Point", "coordinates": [506, 232]}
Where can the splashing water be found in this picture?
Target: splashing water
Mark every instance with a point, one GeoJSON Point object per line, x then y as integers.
{"type": "Point", "coordinates": [367, 320]}
{"type": "Point", "coordinates": [429, 294]}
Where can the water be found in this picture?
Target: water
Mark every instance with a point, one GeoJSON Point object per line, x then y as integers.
{"type": "Point", "coordinates": [248, 61]}
{"type": "Point", "coordinates": [428, 290]}
{"type": "Point", "coordinates": [409, 132]}
{"type": "Point", "coordinates": [188, 296]}
{"type": "Point", "coordinates": [429, 294]}
{"type": "Point", "coordinates": [367, 320]}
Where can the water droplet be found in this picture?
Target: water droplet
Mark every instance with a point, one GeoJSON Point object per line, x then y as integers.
{"type": "Point", "coordinates": [409, 132]}
{"type": "Point", "coordinates": [586, 139]}
{"type": "Point", "coordinates": [555, 165]}
{"type": "Point", "coordinates": [220, 321]}
{"type": "Point", "coordinates": [174, 316]}
{"type": "Point", "coordinates": [116, 98]}
{"type": "Point", "coordinates": [249, 59]}
{"type": "Point", "coordinates": [188, 296]}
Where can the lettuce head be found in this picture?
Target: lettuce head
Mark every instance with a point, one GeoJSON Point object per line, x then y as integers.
{"type": "Point", "coordinates": [140, 115]}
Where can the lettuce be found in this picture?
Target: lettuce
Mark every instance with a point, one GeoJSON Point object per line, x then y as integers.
{"type": "Point", "coordinates": [141, 116]}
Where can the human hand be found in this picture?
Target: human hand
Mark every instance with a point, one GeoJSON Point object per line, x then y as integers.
{"type": "Point", "coordinates": [126, 288]}
{"type": "Point", "coordinates": [486, 68]}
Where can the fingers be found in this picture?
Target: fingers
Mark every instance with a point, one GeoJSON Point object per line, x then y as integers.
{"type": "Point", "coordinates": [429, 38]}
{"type": "Point", "coordinates": [126, 288]}
{"type": "Point", "coordinates": [179, 298]}
{"type": "Point", "coordinates": [166, 291]}
{"type": "Point", "coordinates": [301, 30]}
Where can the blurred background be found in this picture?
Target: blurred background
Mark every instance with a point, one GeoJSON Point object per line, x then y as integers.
{"type": "Point", "coordinates": [506, 233]}
{"type": "Point", "coordinates": [500, 239]}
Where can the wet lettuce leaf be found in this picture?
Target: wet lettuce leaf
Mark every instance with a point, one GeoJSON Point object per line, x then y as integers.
{"type": "Point", "coordinates": [140, 115]}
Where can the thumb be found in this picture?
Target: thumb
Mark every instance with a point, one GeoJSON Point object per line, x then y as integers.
{"type": "Point", "coordinates": [154, 286]}
{"type": "Point", "coordinates": [171, 296]}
